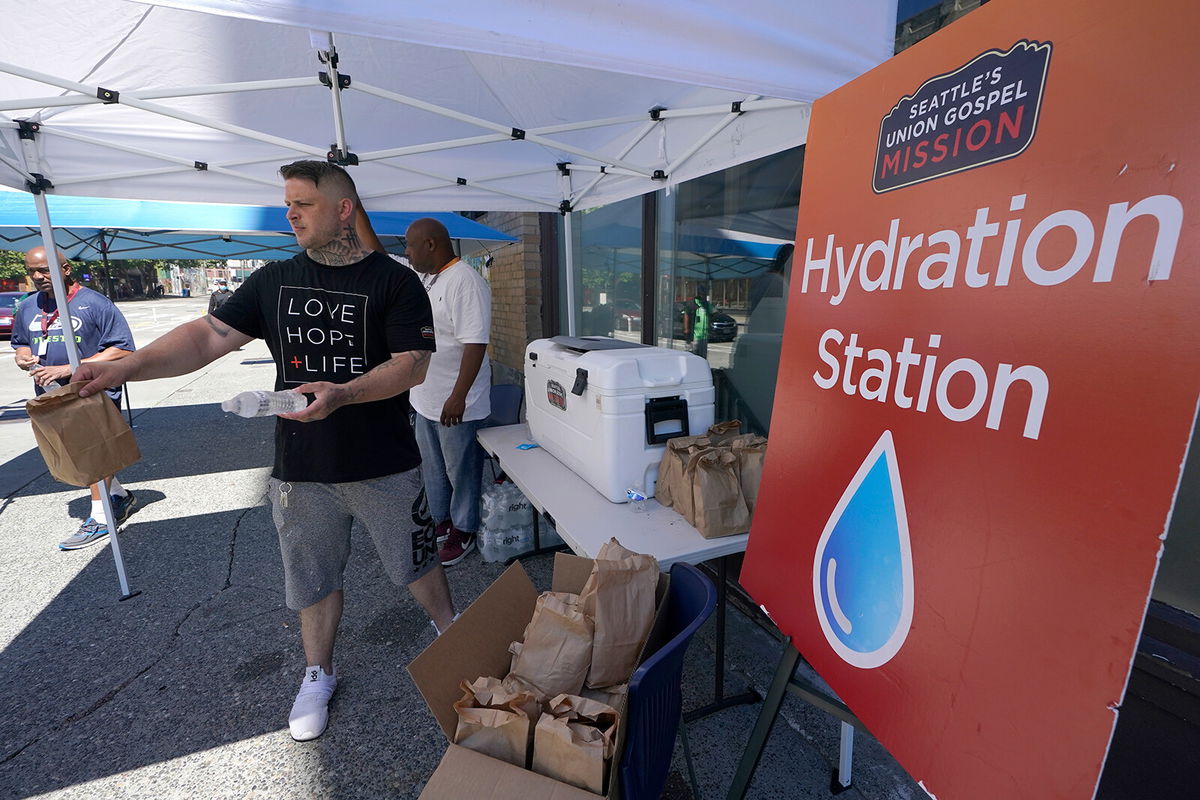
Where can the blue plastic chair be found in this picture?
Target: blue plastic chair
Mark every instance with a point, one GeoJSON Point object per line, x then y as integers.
{"type": "Point", "coordinates": [655, 709]}
{"type": "Point", "coordinates": [506, 404]}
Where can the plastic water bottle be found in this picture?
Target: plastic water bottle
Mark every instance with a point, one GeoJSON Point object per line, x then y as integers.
{"type": "Point", "coordinates": [264, 404]}
{"type": "Point", "coordinates": [637, 499]}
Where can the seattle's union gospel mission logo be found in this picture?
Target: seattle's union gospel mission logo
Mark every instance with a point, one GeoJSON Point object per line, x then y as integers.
{"type": "Point", "coordinates": [984, 111]}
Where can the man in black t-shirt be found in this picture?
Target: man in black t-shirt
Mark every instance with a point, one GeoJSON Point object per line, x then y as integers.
{"type": "Point", "coordinates": [353, 329]}
{"type": "Point", "coordinates": [219, 295]}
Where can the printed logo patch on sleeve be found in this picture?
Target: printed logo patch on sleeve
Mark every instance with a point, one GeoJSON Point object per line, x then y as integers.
{"type": "Point", "coordinates": [427, 332]}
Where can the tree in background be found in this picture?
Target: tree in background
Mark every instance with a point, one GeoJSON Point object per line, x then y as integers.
{"type": "Point", "coordinates": [12, 271]}
{"type": "Point", "coordinates": [125, 278]}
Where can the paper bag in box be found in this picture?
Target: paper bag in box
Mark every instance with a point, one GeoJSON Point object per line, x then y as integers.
{"type": "Point", "coordinates": [496, 721]}
{"type": "Point", "coordinates": [82, 439]}
{"type": "Point", "coordinates": [720, 506]}
{"type": "Point", "coordinates": [619, 598]}
{"type": "Point", "coordinates": [557, 647]}
{"type": "Point", "coordinates": [574, 740]}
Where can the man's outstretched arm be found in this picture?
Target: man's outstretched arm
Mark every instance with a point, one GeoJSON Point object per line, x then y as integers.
{"type": "Point", "coordinates": [178, 352]}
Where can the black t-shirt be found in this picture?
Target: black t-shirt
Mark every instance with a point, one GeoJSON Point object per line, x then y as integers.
{"type": "Point", "coordinates": [334, 324]}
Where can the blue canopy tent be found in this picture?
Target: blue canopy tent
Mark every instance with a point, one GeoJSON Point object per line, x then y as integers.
{"type": "Point", "coordinates": [96, 229]}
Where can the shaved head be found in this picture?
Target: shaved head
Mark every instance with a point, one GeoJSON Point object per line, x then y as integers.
{"type": "Point", "coordinates": [38, 254]}
{"type": "Point", "coordinates": [331, 179]}
{"type": "Point", "coordinates": [37, 266]}
{"type": "Point", "coordinates": [428, 246]}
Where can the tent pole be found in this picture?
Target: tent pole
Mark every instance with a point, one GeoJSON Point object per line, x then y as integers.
{"type": "Point", "coordinates": [107, 266]}
{"type": "Point", "coordinates": [568, 237]}
{"type": "Point", "coordinates": [335, 88]}
{"type": "Point", "coordinates": [56, 277]}
{"type": "Point", "coordinates": [64, 311]}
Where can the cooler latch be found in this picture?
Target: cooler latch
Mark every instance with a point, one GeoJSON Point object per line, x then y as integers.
{"type": "Point", "coordinates": [666, 418]}
{"type": "Point", "coordinates": [580, 382]}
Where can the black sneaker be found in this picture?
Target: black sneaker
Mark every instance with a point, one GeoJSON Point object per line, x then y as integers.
{"type": "Point", "coordinates": [89, 533]}
{"type": "Point", "coordinates": [123, 506]}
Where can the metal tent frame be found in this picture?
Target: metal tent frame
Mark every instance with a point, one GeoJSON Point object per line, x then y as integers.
{"type": "Point", "coordinates": [670, 93]}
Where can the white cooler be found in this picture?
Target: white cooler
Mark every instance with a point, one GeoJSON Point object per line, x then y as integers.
{"type": "Point", "coordinates": [606, 408]}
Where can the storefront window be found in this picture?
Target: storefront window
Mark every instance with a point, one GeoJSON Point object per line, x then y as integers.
{"type": "Point", "coordinates": [723, 262]}
{"type": "Point", "coordinates": [607, 245]}
{"type": "Point", "coordinates": [725, 247]}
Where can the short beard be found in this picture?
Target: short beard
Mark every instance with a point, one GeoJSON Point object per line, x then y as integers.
{"type": "Point", "coordinates": [343, 249]}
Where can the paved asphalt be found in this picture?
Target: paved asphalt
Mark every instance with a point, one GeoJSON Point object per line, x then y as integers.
{"type": "Point", "coordinates": [184, 690]}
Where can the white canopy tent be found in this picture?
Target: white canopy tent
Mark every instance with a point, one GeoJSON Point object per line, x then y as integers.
{"type": "Point", "coordinates": [458, 106]}
{"type": "Point", "coordinates": [526, 105]}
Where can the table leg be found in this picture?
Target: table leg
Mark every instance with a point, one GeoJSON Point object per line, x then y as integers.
{"type": "Point", "coordinates": [720, 701]}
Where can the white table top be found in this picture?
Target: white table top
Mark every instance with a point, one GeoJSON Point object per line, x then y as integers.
{"type": "Point", "coordinates": [586, 520]}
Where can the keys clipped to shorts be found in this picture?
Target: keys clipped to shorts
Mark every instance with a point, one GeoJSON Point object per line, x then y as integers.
{"type": "Point", "coordinates": [284, 488]}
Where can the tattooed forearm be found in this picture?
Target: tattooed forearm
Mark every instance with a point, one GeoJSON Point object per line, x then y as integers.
{"type": "Point", "coordinates": [345, 248]}
{"type": "Point", "coordinates": [218, 328]}
{"type": "Point", "coordinates": [398, 374]}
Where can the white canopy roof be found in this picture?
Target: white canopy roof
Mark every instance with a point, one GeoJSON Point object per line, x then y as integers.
{"type": "Point", "coordinates": [468, 105]}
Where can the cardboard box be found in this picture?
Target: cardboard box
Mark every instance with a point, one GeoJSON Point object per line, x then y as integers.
{"type": "Point", "coordinates": [477, 644]}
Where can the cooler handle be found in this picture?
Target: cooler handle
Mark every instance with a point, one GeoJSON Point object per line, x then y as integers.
{"type": "Point", "coordinates": [665, 409]}
{"type": "Point", "coordinates": [654, 382]}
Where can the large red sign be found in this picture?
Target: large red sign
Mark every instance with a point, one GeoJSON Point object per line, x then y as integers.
{"type": "Point", "coordinates": [989, 381]}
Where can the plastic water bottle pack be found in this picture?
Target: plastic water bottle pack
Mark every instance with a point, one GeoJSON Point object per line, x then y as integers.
{"type": "Point", "coordinates": [506, 523]}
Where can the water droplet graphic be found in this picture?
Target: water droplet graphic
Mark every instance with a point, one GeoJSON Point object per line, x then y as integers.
{"type": "Point", "coordinates": [862, 572]}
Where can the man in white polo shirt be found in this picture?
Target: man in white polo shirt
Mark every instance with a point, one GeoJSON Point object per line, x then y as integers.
{"type": "Point", "coordinates": [454, 401]}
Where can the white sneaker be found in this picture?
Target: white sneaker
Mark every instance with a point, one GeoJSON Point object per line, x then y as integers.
{"type": "Point", "coordinates": [310, 712]}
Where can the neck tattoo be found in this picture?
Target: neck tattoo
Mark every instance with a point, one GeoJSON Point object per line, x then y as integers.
{"type": "Point", "coordinates": [342, 250]}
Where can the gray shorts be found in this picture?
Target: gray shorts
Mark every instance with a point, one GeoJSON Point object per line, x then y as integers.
{"type": "Point", "coordinates": [314, 532]}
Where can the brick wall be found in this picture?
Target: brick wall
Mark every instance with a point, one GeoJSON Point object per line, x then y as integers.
{"type": "Point", "coordinates": [516, 279]}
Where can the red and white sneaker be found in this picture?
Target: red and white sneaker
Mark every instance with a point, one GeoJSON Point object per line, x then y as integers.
{"type": "Point", "coordinates": [457, 545]}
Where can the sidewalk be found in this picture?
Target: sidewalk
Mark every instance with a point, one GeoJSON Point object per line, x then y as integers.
{"type": "Point", "coordinates": [184, 690]}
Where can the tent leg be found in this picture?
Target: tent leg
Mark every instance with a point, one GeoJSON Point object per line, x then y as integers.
{"type": "Point", "coordinates": [56, 277]}
{"type": "Point", "coordinates": [107, 267]}
{"type": "Point", "coordinates": [339, 125]}
{"type": "Point", "coordinates": [60, 296]}
{"type": "Point", "coordinates": [113, 541]}
{"type": "Point", "coordinates": [568, 238]}
{"type": "Point", "coordinates": [128, 405]}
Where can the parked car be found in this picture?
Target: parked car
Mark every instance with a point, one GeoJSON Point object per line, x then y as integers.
{"type": "Point", "coordinates": [629, 309]}
{"type": "Point", "coordinates": [721, 326]}
{"type": "Point", "coordinates": [8, 302]}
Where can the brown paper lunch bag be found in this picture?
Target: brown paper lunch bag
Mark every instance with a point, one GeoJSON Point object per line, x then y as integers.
{"type": "Point", "coordinates": [751, 452]}
{"type": "Point", "coordinates": [496, 721]}
{"type": "Point", "coordinates": [619, 598]}
{"type": "Point", "coordinates": [574, 742]}
{"type": "Point", "coordinates": [556, 650]}
{"type": "Point", "coordinates": [669, 484]}
{"type": "Point", "coordinates": [720, 506]}
{"type": "Point", "coordinates": [82, 439]}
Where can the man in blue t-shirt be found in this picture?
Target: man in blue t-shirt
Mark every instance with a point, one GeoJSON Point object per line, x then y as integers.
{"type": "Point", "coordinates": [101, 334]}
